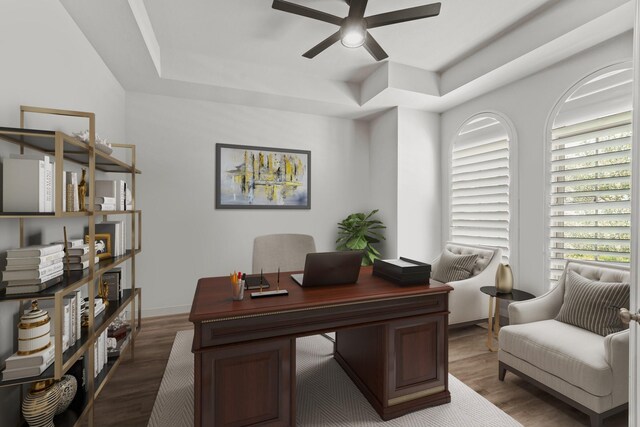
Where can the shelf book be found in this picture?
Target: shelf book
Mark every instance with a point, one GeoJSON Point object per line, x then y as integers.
{"type": "Point", "coordinates": [33, 269]}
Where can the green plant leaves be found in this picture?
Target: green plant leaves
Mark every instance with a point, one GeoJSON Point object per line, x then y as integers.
{"type": "Point", "coordinates": [358, 231]}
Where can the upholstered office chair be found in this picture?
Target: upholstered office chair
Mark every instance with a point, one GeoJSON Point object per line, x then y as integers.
{"type": "Point", "coordinates": [284, 251]}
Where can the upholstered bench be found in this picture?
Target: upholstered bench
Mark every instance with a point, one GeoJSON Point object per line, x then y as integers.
{"type": "Point", "coordinates": [466, 268]}
{"type": "Point", "coordinates": [570, 342]}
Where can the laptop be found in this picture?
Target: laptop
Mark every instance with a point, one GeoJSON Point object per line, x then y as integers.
{"type": "Point", "coordinates": [330, 268]}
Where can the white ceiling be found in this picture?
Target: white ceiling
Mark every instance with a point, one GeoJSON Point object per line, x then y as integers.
{"type": "Point", "coordinates": [245, 52]}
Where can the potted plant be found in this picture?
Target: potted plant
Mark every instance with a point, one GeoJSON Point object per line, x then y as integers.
{"type": "Point", "coordinates": [360, 231]}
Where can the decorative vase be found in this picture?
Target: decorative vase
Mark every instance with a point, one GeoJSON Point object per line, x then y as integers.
{"type": "Point", "coordinates": [40, 404]}
{"type": "Point", "coordinates": [504, 279]}
{"type": "Point", "coordinates": [68, 386]}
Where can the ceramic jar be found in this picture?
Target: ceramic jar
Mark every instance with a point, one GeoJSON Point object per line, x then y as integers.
{"type": "Point", "coordinates": [40, 404]}
{"type": "Point", "coordinates": [68, 386]}
{"type": "Point", "coordinates": [504, 279]}
{"type": "Point", "coordinates": [33, 331]}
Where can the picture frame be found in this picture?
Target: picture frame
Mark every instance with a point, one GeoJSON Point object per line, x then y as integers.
{"type": "Point", "coordinates": [252, 177]}
{"type": "Point", "coordinates": [103, 245]}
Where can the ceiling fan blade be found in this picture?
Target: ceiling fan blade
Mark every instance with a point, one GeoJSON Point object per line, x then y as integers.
{"type": "Point", "coordinates": [322, 45]}
{"type": "Point", "coordinates": [374, 48]}
{"type": "Point", "coordinates": [356, 9]}
{"type": "Point", "coordinates": [403, 15]}
{"type": "Point", "coordinates": [297, 9]}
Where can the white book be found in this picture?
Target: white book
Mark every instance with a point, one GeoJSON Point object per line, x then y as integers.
{"type": "Point", "coordinates": [104, 207]}
{"type": "Point", "coordinates": [16, 361]}
{"type": "Point", "coordinates": [34, 251]}
{"type": "Point", "coordinates": [31, 371]}
{"type": "Point", "coordinates": [41, 280]}
{"type": "Point", "coordinates": [79, 265]}
{"type": "Point", "coordinates": [23, 185]}
{"type": "Point", "coordinates": [13, 289]}
{"type": "Point", "coordinates": [78, 324]}
{"type": "Point", "coordinates": [103, 200]}
{"type": "Point", "coordinates": [32, 274]}
{"type": "Point", "coordinates": [52, 261]}
{"type": "Point", "coordinates": [71, 243]}
{"type": "Point", "coordinates": [48, 306]}
{"type": "Point", "coordinates": [114, 189]}
{"type": "Point", "coordinates": [41, 261]}
{"type": "Point", "coordinates": [79, 251]}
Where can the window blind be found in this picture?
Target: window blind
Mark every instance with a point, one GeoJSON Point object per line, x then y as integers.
{"type": "Point", "coordinates": [480, 184]}
{"type": "Point", "coordinates": [590, 174]}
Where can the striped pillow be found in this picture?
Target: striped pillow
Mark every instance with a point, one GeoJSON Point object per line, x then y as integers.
{"type": "Point", "coordinates": [452, 267]}
{"type": "Point", "coordinates": [593, 305]}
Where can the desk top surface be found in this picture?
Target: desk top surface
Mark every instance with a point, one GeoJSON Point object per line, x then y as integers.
{"type": "Point", "coordinates": [212, 299]}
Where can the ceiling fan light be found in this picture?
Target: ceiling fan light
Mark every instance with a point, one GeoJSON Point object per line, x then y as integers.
{"type": "Point", "coordinates": [353, 36]}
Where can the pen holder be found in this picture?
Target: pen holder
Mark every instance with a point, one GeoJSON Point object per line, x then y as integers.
{"type": "Point", "coordinates": [238, 292]}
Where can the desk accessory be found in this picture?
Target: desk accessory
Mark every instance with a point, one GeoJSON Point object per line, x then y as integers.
{"type": "Point", "coordinates": [275, 293]}
{"type": "Point", "coordinates": [403, 271]}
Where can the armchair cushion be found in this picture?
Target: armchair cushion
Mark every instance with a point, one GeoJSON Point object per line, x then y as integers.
{"type": "Point", "coordinates": [565, 351]}
{"type": "Point", "coordinates": [452, 267]}
{"type": "Point", "coordinates": [593, 305]}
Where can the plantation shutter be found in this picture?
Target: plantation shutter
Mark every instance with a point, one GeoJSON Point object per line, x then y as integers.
{"type": "Point", "coordinates": [480, 184]}
{"type": "Point", "coordinates": [590, 176]}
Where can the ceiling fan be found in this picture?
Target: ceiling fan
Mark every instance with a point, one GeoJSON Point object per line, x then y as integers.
{"type": "Point", "coordinates": [354, 28]}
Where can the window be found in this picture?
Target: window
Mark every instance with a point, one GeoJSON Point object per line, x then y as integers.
{"type": "Point", "coordinates": [590, 172]}
{"type": "Point", "coordinates": [480, 183]}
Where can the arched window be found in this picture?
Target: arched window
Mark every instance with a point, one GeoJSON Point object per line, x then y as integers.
{"type": "Point", "coordinates": [481, 182]}
{"type": "Point", "coordinates": [589, 171]}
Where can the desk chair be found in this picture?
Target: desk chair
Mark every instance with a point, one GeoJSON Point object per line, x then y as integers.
{"type": "Point", "coordinates": [287, 252]}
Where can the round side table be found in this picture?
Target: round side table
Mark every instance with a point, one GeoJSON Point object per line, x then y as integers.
{"type": "Point", "coordinates": [494, 309]}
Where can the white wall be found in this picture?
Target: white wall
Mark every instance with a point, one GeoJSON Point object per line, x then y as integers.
{"type": "Point", "coordinates": [184, 236]}
{"type": "Point", "coordinates": [383, 158]}
{"type": "Point", "coordinates": [405, 182]}
{"type": "Point", "coordinates": [528, 103]}
{"type": "Point", "coordinates": [419, 176]}
{"type": "Point", "coordinates": [47, 62]}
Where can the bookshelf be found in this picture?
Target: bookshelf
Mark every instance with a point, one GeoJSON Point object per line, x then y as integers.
{"type": "Point", "coordinates": [65, 148]}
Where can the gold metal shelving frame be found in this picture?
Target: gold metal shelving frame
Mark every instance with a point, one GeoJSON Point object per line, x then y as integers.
{"type": "Point", "coordinates": [63, 147]}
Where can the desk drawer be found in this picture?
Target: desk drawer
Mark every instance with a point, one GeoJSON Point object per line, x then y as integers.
{"type": "Point", "coordinates": [310, 320]}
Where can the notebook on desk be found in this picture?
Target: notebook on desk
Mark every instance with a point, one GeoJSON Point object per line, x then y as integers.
{"type": "Point", "coordinates": [330, 268]}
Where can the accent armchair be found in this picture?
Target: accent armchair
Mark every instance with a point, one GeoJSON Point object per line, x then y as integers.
{"type": "Point", "coordinates": [585, 369]}
{"type": "Point", "coordinates": [467, 305]}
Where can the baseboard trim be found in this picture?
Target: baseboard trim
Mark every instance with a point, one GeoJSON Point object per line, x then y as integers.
{"type": "Point", "coordinates": [166, 311]}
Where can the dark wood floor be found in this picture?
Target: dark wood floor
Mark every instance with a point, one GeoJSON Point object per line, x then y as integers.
{"type": "Point", "coordinates": [128, 398]}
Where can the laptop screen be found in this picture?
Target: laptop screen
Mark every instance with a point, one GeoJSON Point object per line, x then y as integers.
{"type": "Point", "coordinates": [330, 268]}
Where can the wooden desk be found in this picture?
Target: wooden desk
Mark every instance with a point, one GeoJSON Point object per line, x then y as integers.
{"type": "Point", "coordinates": [391, 340]}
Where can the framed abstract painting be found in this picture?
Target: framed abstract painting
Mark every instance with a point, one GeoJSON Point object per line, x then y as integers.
{"type": "Point", "coordinates": [262, 178]}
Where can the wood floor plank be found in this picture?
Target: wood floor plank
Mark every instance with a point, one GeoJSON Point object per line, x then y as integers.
{"type": "Point", "coordinates": [127, 400]}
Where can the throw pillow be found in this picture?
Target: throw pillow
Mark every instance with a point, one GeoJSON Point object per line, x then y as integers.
{"type": "Point", "coordinates": [452, 267]}
{"type": "Point", "coordinates": [593, 305]}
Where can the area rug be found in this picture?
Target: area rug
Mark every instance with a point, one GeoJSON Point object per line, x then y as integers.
{"type": "Point", "coordinates": [325, 394]}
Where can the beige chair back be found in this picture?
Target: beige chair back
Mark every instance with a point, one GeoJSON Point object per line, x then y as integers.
{"type": "Point", "coordinates": [285, 251]}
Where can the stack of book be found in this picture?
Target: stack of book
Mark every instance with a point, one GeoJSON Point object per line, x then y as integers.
{"type": "Point", "coordinates": [28, 183]}
{"type": "Point", "coordinates": [112, 196]}
{"type": "Point", "coordinates": [33, 268]}
{"type": "Point", "coordinates": [78, 255]}
{"type": "Point", "coordinates": [30, 365]}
